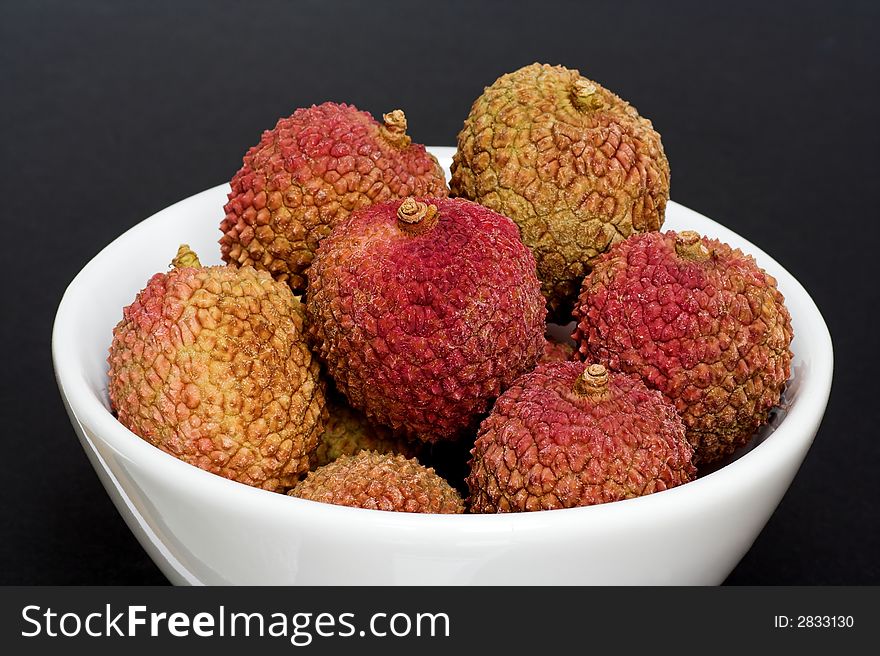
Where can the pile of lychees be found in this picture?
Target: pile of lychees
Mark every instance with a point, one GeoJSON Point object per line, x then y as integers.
{"type": "Point", "coordinates": [372, 324]}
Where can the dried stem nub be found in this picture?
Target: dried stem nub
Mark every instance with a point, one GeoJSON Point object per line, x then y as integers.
{"type": "Point", "coordinates": [585, 95]}
{"type": "Point", "coordinates": [394, 129]}
{"type": "Point", "coordinates": [689, 245]}
{"type": "Point", "coordinates": [415, 217]}
{"type": "Point", "coordinates": [185, 257]}
{"type": "Point", "coordinates": [593, 382]}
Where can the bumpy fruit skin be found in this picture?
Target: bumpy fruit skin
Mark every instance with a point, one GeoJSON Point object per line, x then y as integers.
{"type": "Point", "coordinates": [574, 165]}
{"type": "Point", "coordinates": [422, 327]}
{"type": "Point", "coordinates": [211, 365]}
{"type": "Point", "coordinates": [380, 482]}
{"type": "Point", "coordinates": [702, 323]}
{"type": "Point", "coordinates": [548, 445]}
{"type": "Point", "coordinates": [348, 432]}
{"type": "Point", "coordinates": [311, 171]}
{"type": "Point", "coordinates": [556, 351]}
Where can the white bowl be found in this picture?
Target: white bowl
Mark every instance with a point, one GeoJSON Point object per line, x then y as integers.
{"type": "Point", "coordinates": [203, 529]}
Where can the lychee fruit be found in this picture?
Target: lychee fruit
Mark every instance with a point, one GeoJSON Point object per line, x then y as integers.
{"type": "Point", "coordinates": [697, 320]}
{"type": "Point", "coordinates": [380, 482]}
{"type": "Point", "coordinates": [571, 435]}
{"type": "Point", "coordinates": [349, 432]}
{"type": "Point", "coordinates": [574, 166]}
{"type": "Point", "coordinates": [556, 351]}
{"type": "Point", "coordinates": [210, 364]}
{"type": "Point", "coordinates": [424, 310]}
{"type": "Point", "coordinates": [310, 172]}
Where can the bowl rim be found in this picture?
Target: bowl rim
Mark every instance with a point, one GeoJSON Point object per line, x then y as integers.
{"type": "Point", "coordinates": [793, 434]}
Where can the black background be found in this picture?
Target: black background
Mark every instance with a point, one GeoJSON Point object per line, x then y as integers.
{"type": "Point", "coordinates": [110, 111]}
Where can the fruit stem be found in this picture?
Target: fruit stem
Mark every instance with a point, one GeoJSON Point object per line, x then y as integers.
{"type": "Point", "coordinates": [585, 95]}
{"type": "Point", "coordinates": [185, 257]}
{"type": "Point", "coordinates": [415, 217]}
{"type": "Point", "coordinates": [394, 129]}
{"type": "Point", "coordinates": [593, 382]}
{"type": "Point", "coordinates": [689, 245]}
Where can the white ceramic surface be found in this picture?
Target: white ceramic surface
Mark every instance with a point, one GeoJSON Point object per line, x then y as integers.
{"type": "Point", "coordinates": [203, 529]}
